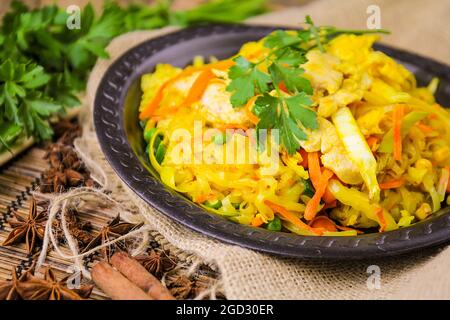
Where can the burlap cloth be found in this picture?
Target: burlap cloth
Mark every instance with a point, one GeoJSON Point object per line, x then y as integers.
{"type": "Point", "coordinates": [417, 25]}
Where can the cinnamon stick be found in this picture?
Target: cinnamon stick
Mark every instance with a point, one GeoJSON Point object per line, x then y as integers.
{"type": "Point", "coordinates": [137, 274]}
{"type": "Point", "coordinates": [115, 285]}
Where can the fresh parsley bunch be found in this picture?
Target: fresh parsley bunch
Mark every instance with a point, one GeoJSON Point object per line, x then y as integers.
{"type": "Point", "coordinates": [284, 101]}
{"type": "Point", "coordinates": [44, 65]}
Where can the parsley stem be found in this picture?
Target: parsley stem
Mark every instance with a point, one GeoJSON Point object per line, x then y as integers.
{"type": "Point", "coordinates": [333, 31]}
{"type": "Point", "coordinates": [4, 144]}
{"type": "Point", "coordinates": [280, 97]}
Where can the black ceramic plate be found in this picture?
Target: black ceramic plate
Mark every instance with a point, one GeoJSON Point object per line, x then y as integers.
{"type": "Point", "coordinates": [115, 114]}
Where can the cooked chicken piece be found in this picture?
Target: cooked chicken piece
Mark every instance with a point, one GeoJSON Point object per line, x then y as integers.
{"type": "Point", "coordinates": [334, 155]}
{"type": "Point", "coordinates": [216, 104]}
{"type": "Point", "coordinates": [320, 70]}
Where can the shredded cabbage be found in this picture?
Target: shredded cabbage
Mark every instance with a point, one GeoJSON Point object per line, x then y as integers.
{"type": "Point", "coordinates": [355, 89]}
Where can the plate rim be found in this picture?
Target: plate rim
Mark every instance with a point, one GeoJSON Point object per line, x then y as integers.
{"type": "Point", "coordinates": [111, 134]}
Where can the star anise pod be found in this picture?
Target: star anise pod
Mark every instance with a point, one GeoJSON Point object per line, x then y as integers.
{"type": "Point", "coordinates": [30, 229]}
{"type": "Point", "coordinates": [77, 229]}
{"type": "Point", "coordinates": [49, 288]}
{"type": "Point", "coordinates": [113, 230]}
{"type": "Point", "coordinates": [66, 170]}
{"type": "Point", "coordinates": [202, 283]}
{"type": "Point", "coordinates": [8, 289]}
{"type": "Point", "coordinates": [157, 262]}
{"type": "Point", "coordinates": [66, 131]}
{"type": "Point", "coordinates": [180, 286]}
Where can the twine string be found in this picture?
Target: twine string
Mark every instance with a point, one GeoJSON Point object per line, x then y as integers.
{"type": "Point", "coordinates": [59, 204]}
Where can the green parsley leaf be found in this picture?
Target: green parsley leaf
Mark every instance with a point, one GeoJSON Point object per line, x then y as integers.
{"type": "Point", "coordinates": [34, 77]}
{"type": "Point", "coordinates": [273, 115]}
{"type": "Point", "coordinates": [266, 109]}
{"type": "Point", "coordinates": [8, 133]}
{"type": "Point", "coordinates": [290, 133]}
{"type": "Point", "coordinates": [248, 81]}
{"type": "Point", "coordinates": [43, 107]}
{"type": "Point", "coordinates": [291, 56]}
{"type": "Point", "coordinates": [299, 109]}
{"type": "Point", "coordinates": [314, 33]}
{"type": "Point", "coordinates": [291, 77]}
{"type": "Point", "coordinates": [281, 39]}
{"type": "Point", "coordinates": [291, 111]}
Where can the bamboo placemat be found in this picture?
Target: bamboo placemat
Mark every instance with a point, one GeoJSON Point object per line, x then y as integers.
{"type": "Point", "coordinates": [18, 179]}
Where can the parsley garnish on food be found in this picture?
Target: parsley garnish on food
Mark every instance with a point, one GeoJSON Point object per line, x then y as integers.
{"type": "Point", "coordinates": [44, 65]}
{"type": "Point", "coordinates": [284, 101]}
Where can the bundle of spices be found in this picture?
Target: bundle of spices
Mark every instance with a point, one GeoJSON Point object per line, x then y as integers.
{"type": "Point", "coordinates": [78, 229]}
{"type": "Point", "coordinates": [66, 131]}
{"type": "Point", "coordinates": [189, 287]}
{"type": "Point", "coordinates": [111, 231]}
{"type": "Point", "coordinates": [66, 170]}
{"type": "Point", "coordinates": [157, 262]}
{"type": "Point", "coordinates": [30, 287]}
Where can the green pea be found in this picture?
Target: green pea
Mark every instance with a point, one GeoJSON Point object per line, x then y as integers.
{"type": "Point", "coordinates": [220, 138]}
{"type": "Point", "coordinates": [274, 225]}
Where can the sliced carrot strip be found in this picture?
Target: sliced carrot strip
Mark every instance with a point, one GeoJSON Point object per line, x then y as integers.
{"type": "Point", "coordinates": [203, 197]}
{"type": "Point", "coordinates": [392, 184]}
{"type": "Point", "coordinates": [315, 174]}
{"type": "Point", "coordinates": [304, 155]}
{"type": "Point", "coordinates": [313, 204]}
{"type": "Point", "coordinates": [221, 65]}
{"type": "Point", "coordinates": [330, 222]}
{"type": "Point", "coordinates": [323, 222]}
{"type": "Point", "coordinates": [380, 215]}
{"type": "Point", "coordinates": [448, 183]}
{"type": "Point", "coordinates": [424, 128]}
{"type": "Point", "coordinates": [372, 141]}
{"type": "Point", "coordinates": [397, 119]}
{"type": "Point", "coordinates": [328, 205]}
{"type": "Point", "coordinates": [257, 221]}
{"type": "Point", "coordinates": [165, 111]}
{"type": "Point", "coordinates": [287, 215]}
{"type": "Point", "coordinates": [328, 198]}
{"type": "Point", "coordinates": [199, 87]}
{"type": "Point", "coordinates": [150, 109]}
{"type": "Point", "coordinates": [314, 168]}
{"type": "Point", "coordinates": [250, 115]}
